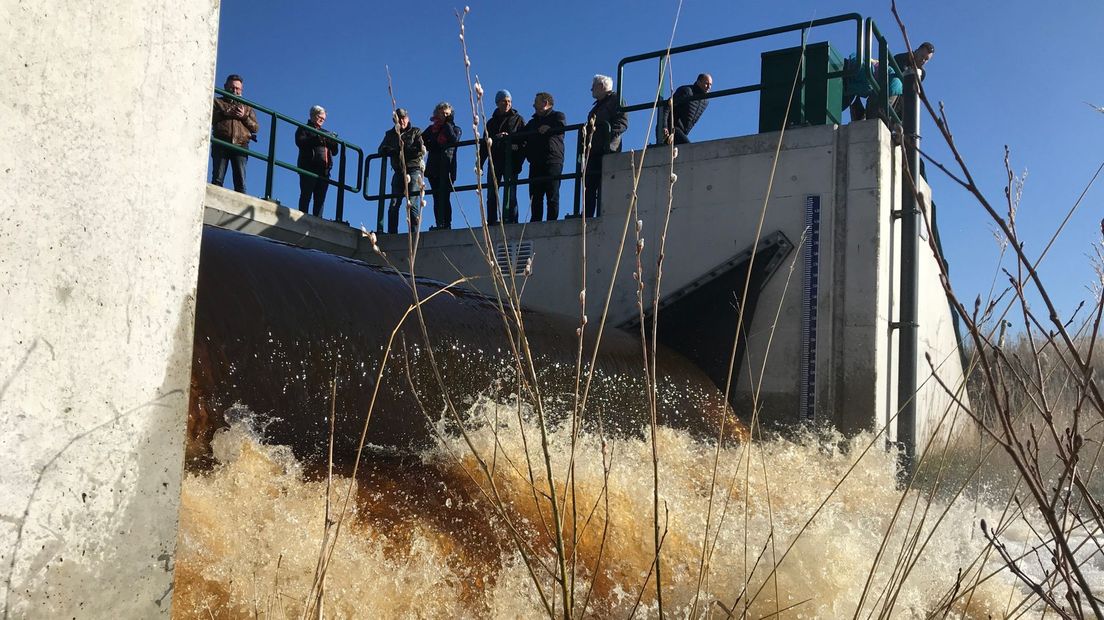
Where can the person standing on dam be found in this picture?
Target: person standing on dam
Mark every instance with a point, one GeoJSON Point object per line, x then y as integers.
{"type": "Point", "coordinates": [605, 124]}
{"type": "Point", "coordinates": [544, 148]}
{"type": "Point", "coordinates": [912, 63]}
{"type": "Point", "coordinates": [505, 156]}
{"type": "Point", "coordinates": [683, 110]}
{"type": "Point", "coordinates": [922, 54]}
{"type": "Point", "coordinates": [440, 140]}
{"type": "Point", "coordinates": [316, 152]}
{"type": "Point", "coordinates": [403, 144]}
{"type": "Point", "coordinates": [234, 122]}
{"type": "Point", "coordinates": [859, 85]}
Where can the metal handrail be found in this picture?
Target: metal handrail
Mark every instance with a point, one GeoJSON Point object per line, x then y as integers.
{"type": "Point", "coordinates": [271, 161]}
{"type": "Point", "coordinates": [664, 54]}
{"type": "Point", "coordinates": [383, 195]}
{"type": "Point", "coordinates": [885, 59]}
{"type": "Point", "coordinates": [866, 32]}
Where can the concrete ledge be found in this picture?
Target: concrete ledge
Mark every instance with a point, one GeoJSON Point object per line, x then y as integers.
{"type": "Point", "coordinates": [229, 209]}
{"type": "Point", "coordinates": [726, 148]}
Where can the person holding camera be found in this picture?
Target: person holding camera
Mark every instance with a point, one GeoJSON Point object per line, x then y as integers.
{"type": "Point", "coordinates": [234, 122]}
{"type": "Point", "coordinates": [440, 140]}
{"type": "Point", "coordinates": [317, 149]}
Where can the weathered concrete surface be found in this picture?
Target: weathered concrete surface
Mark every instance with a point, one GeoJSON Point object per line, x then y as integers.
{"type": "Point", "coordinates": [228, 209]}
{"type": "Point", "coordinates": [936, 338]}
{"type": "Point", "coordinates": [106, 116]}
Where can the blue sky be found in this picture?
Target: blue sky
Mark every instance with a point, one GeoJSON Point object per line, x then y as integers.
{"type": "Point", "coordinates": [1016, 73]}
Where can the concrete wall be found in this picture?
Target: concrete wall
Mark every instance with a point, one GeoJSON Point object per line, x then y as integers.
{"type": "Point", "coordinates": [720, 191]}
{"type": "Point", "coordinates": [104, 149]}
{"type": "Point", "coordinates": [936, 338]}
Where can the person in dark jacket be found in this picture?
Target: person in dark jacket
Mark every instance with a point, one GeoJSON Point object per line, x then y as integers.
{"type": "Point", "coordinates": [922, 54]}
{"type": "Point", "coordinates": [440, 142]}
{"type": "Point", "coordinates": [683, 110]}
{"type": "Point", "coordinates": [544, 148]}
{"type": "Point", "coordinates": [605, 124]}
{"type": "Point", "coordinates": [506, 157]}
{"type": "Point", "coordinates": [234, 122]}
{"type": "Point", "coordinates": [403, 144]}
{"type": "Point", "coordinates": [912, 64]}
{"type": "Point", "coordinates": [317, 149]}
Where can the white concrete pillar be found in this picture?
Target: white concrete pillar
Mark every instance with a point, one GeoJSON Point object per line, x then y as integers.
{"type": "Point", "coordinates": [104, 118]}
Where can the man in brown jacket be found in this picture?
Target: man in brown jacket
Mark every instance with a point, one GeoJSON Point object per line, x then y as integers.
{"type": "Point", "coordinates": [235, 123]}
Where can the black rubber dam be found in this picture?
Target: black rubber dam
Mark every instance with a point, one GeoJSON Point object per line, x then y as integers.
{"type": "Point", "coordinates": [291, 334]}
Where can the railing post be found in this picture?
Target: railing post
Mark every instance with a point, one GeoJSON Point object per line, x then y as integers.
{"type": "Point", "coordinates": [509, 214]}
{"type": "Point", "coordinates": [382, 186]}
{"type": "Point", "coordinates": [578, 169]}
{"type": "Point", "coordinates": [340, 217]}
{"type": "Point", "coordinates": [270, 163]}
{"type": "Point", "coordinates": [883, 67]}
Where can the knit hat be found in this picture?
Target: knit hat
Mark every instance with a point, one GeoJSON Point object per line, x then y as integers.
{"type": "Point", "coordinates": [503, 94]}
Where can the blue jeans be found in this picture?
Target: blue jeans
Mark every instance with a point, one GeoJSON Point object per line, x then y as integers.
{"type": "Point", "coordinates": [220, 156]}
{"type": "Point", "coordinates": [411, 189]}
{"type": "Point", "coordinates": [510, 208]}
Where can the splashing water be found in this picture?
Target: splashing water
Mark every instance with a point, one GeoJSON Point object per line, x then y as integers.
{"type": "Point", "coordinates": [424, 538]}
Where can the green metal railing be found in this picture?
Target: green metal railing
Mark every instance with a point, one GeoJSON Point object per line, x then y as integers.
{"type": "Point", "coordinates": [880, 77]}
{"type": "Point", "coordinates": [382, 196]}
{"type": "Point", "coordinates": [665, 54]}
{"type": "Point", "coordinates": [865, 32]}
{"type": "Point", "coordinates": [271, 162]}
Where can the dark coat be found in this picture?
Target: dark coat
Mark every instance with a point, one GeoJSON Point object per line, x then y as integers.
{"type": "Point", "coordinates": [904, 62]}
{"type": "Point", "coordinates": [607, 110]}
{"type": "Point", "coordinates": [312, 150]}
{"type": "Point", "coordinates": [546, 148]}
{"type": "Point", "coordinates": [687, 111]}
{"type": "Point", "coordinates": [440, 142]}
{"type": "Point", "coordinates": [409, 144]}
{"type": "Point", "coordinates": [509, 123]}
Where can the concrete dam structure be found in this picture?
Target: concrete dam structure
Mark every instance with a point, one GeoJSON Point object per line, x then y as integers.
{"type": "Point", "coordinates": [820, 340]}
{"type": "Point", "coordinates": [100, 287]}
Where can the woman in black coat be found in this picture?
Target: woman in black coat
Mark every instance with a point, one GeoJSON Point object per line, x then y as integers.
{"type": "Point", "coordinates": [440, 140]}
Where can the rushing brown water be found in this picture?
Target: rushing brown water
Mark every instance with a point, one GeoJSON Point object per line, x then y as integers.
{"type": "Point", "coordinates": [423, 540]}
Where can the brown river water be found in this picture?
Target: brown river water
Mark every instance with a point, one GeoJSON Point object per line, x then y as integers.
{"type": "Point", "coordinates": [423, 539]}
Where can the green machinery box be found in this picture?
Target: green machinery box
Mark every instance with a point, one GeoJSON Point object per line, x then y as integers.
{"type": "Point", "coordinates": [818, 98]}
